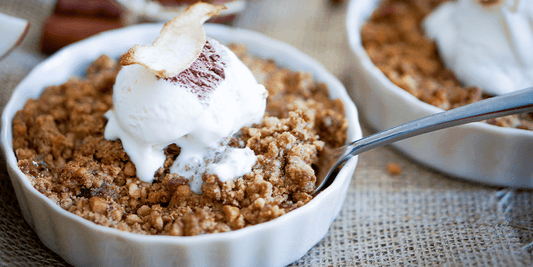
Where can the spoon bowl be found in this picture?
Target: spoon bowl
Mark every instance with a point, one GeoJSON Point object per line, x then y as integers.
{"type": "Point", "coordinates": [507, 104]}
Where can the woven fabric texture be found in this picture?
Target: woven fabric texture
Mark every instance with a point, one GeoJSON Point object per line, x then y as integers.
{"type": "Point", "coordinates": [418, 218]}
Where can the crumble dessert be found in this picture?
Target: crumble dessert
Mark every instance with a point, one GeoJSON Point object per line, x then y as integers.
{"type": "Point", "coordinates": [60, 146]}
{"type": "Point", "coordinates": [177, 139]}
{"type": "Point", "coordinates": [395, 42]}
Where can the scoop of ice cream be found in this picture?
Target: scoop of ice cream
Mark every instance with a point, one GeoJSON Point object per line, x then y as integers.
{"type": "Point", "coordinates": [198, 110]}
{"type": "Point", "coordinates": [487, 44]}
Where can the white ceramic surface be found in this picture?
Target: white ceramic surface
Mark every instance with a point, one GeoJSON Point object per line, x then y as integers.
{"type": "Point", "coordinates": [147, 10]}
{"type": "Point", "coordinates": [82, 243]}
{"type": "Point", "coordinates": [478, 152]}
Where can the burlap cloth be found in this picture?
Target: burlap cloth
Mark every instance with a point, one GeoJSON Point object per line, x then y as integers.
{"type": "Point", "coordinates": [419, 218]}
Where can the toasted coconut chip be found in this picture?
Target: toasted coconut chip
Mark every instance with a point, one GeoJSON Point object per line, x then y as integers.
{"type": "Point", "coordinates": [179, 43]}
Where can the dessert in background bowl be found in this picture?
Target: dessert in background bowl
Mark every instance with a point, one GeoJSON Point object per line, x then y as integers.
{"type": "Point", "coordinates": [486, 44]}
{"type": "Point", "coordinates": [75, 20]}
{"type": "Point", "coordinates": [82, 242]}
{"type": "Point", "coordinates": [164, 10]}
{"type": "Point", "coordinates": [397, 90]}
{"type": "Point", "coordinates": [14, 30]}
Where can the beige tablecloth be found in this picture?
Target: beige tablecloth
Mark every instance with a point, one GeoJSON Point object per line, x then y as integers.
{"type": "Point", "coordinates": [419, 218]}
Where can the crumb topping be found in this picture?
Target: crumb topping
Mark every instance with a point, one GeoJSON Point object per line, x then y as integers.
{"type": "Point", "coordinates": [394, 169]}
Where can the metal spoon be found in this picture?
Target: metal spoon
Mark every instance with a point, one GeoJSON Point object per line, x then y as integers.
{"type": "Point", "coordinates": [512, 103]}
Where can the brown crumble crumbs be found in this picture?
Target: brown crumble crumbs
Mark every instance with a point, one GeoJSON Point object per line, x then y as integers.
{"type": "Point", "coordinates": [58, 140]}
{"type": "Point", "coordinates": [394, 168]}
{"type": "Point", "coordinates": [395, 42]}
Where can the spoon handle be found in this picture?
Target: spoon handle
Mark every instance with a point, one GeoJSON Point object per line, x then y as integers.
{"type": "Point", "coordinates": [513, 103]}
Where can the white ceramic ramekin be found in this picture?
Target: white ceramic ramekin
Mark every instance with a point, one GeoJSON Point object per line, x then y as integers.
{"type": "Point", "coordinates": [478, 152]}
{"type": "Point", "coordinates": [147, 11]}
{"type": "Point", "coordinates": [83, 243]}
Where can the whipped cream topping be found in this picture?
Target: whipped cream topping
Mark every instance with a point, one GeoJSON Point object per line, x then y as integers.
{"type": "Point", "coordinates": [198, 110]}
{"type": "Point", "coordinates": [488, 44]}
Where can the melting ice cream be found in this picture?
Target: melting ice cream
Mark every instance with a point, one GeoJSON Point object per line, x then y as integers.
{"type": "Point", "coordinates": [199, 109]}
{"type": "Point", "coordinates": [488, 44]}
